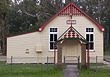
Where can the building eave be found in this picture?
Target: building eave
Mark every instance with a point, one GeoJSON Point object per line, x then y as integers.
{"type": "Point", "coordinates": [100, 27]}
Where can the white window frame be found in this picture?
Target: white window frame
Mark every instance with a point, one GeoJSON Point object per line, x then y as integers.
{"type": "Point", "coordinates": [49, 37]}
{"type": "Point", "coordinates": [93, 38]}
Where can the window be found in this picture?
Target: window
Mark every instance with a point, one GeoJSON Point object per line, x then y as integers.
{"type": "Point", "coordinates": [90, 38]}
{"type": "Point", "coordinates": [53, 37]}
{"type": "Point", "coordinates": [89, 30]}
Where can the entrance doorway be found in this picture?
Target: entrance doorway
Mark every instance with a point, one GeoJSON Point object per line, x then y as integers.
{"type": "Point", "coordinates": [71, 51]}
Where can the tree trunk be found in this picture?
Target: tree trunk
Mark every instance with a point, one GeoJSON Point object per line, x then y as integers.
{"type": "Point", "coordinates": [3, 36]}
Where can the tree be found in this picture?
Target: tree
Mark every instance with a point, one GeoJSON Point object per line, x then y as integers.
{"type": "Point", "coordinates": [29, 15]}
{"type": "Point", "coordinates": [99, 11]}
{"type": "Point", "coordinates": [4, 5]}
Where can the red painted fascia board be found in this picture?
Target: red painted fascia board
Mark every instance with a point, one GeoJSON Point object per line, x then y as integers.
{"type": "Point", "coordinates": [44, 25]}
{"type": "Point", "coordinates": [53, 17]}
{"type": "Point", "coordinates": [97, 24]}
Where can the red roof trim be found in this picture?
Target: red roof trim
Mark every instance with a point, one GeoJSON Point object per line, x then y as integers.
{"type": "Point", "coordinates": [97, 24]}
{"type": "Point", "coordinates": [44, 25]}
{"type": "Point", "coordinates": [71, 9]}
{"type": "Point", "coordinates": [68, 13]}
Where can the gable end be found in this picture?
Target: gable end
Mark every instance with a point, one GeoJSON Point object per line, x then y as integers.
{"type": "Point", "coordinates": [72, 9]}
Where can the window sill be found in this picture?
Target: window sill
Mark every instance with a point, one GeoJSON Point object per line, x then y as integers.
{"type": "Point", "coordinates": [51, 50]}
{"type": "Point", "coordinates": [91, 50]}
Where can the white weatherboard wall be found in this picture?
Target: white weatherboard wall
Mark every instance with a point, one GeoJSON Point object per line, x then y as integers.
{"type": "Point", "coordinates": [39, 41]}
{"type": "Point", "coordinates": [19, 45]}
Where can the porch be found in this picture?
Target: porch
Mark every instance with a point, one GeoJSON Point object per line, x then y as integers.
{"type": "Point", "coordinates": [71, 47]}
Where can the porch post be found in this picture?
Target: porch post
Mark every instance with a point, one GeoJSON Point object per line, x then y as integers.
{"type": "Point", "coordinates": [83, 55]}
{"type": "Point", "coordinates": [59, 55]}
{"type": "Point", "coordinates": [54, 56]}
{"type": "Point", "coordinates": [55, 47]}
{"type": "Point", "coordinates": [88, 58]}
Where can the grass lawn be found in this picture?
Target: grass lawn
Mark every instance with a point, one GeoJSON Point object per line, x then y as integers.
{"type": "Point", "coordinates": [29, 70]}
{"type": "Point", "coordinates": [92, 73]}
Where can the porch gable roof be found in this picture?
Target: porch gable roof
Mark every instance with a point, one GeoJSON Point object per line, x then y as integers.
{"type": "Point", "coordinates": [71, 33]}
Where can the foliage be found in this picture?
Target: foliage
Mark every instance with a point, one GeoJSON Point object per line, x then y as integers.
{"type": "Point", "coordinates": [4, 10]}
{"type": "Point", "coordinates": [29, 15]}
{"type": "Point", "coordinates": [30, 12]}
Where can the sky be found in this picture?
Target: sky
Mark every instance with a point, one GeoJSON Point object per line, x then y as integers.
{"type": "Point", "coordinates": [18, 2]}
{"type": "Point", "coordinates": [63, 1]}
{"type": "Point", "coordinates": [39, 0]}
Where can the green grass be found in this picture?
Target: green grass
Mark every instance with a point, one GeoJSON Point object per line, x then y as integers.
{"type": "Point", "coordinates": [29, 70]}
{"type": "Point", "coordinates": [43, 70]}
{"type": "Point", "coordinates": [94, 73]}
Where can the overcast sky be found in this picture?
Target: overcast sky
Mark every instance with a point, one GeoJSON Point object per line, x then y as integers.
{"type": "Point", "coordinates": [18, 2]}
{"type": "Point", "coordinates": [22, 0]}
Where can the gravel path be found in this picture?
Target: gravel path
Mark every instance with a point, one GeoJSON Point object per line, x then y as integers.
{"type": "Point", "coordinates": [71, 71]}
